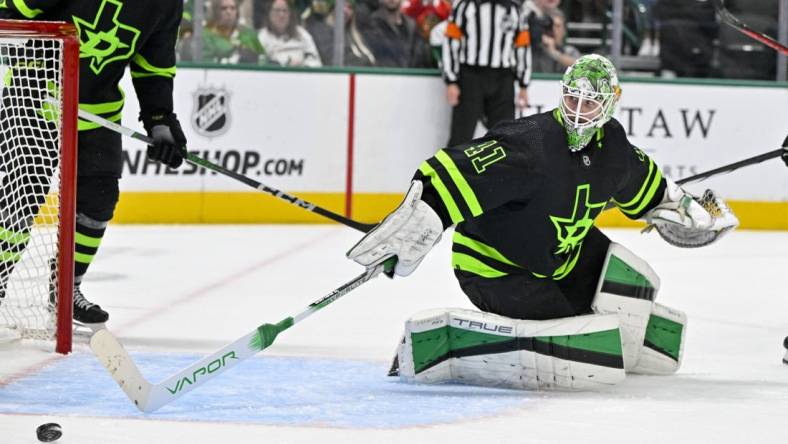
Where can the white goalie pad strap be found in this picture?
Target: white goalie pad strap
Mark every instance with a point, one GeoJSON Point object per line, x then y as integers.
{"type": "Point", "coordinates": [627, 288]}
{"type": "Point", "coordinates": [663, 346]}
{"type": "Point", "coordinates": [466, 346]}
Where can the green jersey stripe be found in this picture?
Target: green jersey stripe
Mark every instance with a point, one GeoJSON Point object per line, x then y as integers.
{"type": "Point", "coordinates": [106, 107]}
{"type": "Point", "coordinates": [481, 248]}
{"type": "Point", "coordinates": [25, 10]}
{"type": "Point", "coordinates": [443, 192]}
{"type": "Point", "coordinates": [83, 258]}
{"type": "Point", "coordinates": [153, 70]}
{"type": "Point", "coordinates": [459, 181]}
{"type": "Point", "coordinates": [8, 256]}
{"type": "Point", "coordinates": [567, 267]}
{"type": "Point", "coordinates": [464, 262]}
{"type": "Point", "coordinates": [87, 241]}
{"type": "Point", "coordinates": [12, 237]}
{"type": "Point", "coordinates": [646, 192]}
{"type": "Point", "coordinates": [652, 189]}
{"type": "Point", "coordinates": [84, 125]}
{"type": "Point", "coordinates": [639, 195]}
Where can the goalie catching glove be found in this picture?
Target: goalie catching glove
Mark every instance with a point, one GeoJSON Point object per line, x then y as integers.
{"type": "Point", "coordinates": [408, 234]}
{"type": "Point", "coordinates": [687, 221]}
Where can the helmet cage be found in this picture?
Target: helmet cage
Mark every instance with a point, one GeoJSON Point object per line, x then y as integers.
{"type": "Point", "coordinates": [583, 108]}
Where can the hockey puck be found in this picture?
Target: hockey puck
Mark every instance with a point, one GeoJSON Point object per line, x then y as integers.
{"type": "Point", "coordinates": [49, 432]}
{"type": "Point", "coordinates": [785, 345]}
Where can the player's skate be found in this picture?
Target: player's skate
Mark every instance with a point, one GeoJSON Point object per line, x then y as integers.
{"type": "Point", "coordinates": [86, 313]}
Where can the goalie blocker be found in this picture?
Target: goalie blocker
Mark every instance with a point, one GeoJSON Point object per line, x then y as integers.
{"type": "Point", "coordinates": [628, 333]}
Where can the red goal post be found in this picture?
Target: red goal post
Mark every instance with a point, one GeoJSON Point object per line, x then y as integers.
{"type": "Point", "coordinates": [40, 249]}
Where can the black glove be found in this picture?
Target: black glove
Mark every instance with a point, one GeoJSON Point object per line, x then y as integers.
{"type": "Point", "coordinates": [169, 143]}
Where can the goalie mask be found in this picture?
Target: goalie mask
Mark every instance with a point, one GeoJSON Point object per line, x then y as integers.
{"type": "Point", "coordinates": [589, 93]}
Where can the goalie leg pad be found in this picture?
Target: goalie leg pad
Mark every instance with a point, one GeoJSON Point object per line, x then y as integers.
{"type": "Point", "coordinates": [627, 288]}
{"type": "Point", "coordinates": [663, 347]}
{"type": "Point", "coordinates": [466, 346]}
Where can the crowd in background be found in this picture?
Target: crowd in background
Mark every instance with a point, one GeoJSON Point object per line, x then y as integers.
{"type": "Point", "coordinates": [286, 33]}
{"type": "Point", "coordinates": [668, 38]}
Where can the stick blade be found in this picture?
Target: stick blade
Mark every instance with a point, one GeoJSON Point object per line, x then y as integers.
{"type": "Point", "coordinates": [120, 366]}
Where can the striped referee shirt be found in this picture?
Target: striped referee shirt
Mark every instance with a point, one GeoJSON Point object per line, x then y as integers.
{"type": "Point", "coordinates": [487, 33]}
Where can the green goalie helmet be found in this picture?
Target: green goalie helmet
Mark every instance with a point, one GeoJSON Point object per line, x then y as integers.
{"type": "Point", "coordinates": [589, 93]}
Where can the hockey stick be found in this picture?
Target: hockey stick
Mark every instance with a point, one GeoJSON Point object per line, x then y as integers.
{"type": "Point", "coordinates": [196, 160]}
{"type": "Point", "coordinates": [731, 20]}
{"type": "Point", "coordinates": [725, 169]}
{"type": "Point", "coordinates": [149, 397]}
{"type": "Point", "coordinates": [735, 165]}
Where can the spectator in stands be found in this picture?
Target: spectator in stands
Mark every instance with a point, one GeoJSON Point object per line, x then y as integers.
{"type": "Point", "coordinates": [357, 52]}
{"type": "Point", "coordinates": [285, 42]}
{"type": "Point", "coordinates": [687, 30]}
{"type": "Point", "coordinates": [315, 22]}
{"type": "Point", "coordinates": [537, 14]}
{"type": "Point", "coordinates": [183, 48]}
{"type": "Point", "coordinates": [431, 20]}
{"type": "Point", "coordinates": [362, 12]}
{"type": "Point", "coordinates": [395, 39]}
{"type": "Point", "coordinates": [554, 55]}
{"type": "Point", "coordinates": [225, 40]}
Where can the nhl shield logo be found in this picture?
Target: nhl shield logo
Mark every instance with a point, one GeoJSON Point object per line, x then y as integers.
{"type": "Point", "coordinates": [211, 115]}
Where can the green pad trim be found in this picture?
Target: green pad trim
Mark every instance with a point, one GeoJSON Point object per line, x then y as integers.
{"type": "Point", "coordinates": [664, 336]}
{"type": "Point", "coordinates": [432, 347]}
{"type": "Point", "coordinates": [607, 341]}
{"type": "Point", "coordinates": [623, 280]}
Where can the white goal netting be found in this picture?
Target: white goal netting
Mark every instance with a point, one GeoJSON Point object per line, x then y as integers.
{"type": "Point", "coordinates": [31, 85]}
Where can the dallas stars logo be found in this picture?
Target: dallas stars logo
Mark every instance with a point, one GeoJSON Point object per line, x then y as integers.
{"type": "Point", "coordinates": [114, 42]}
{"type": "Point", "coordinates": [571, 231]}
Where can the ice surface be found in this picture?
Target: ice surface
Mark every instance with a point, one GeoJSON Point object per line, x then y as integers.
{"type": "Point", "coordinates": [178, 292]}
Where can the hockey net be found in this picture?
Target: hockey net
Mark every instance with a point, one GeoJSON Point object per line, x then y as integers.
{"type": "Point", "coordinates": [38, 104]}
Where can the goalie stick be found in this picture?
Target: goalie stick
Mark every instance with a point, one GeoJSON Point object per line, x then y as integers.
{"type": "Point", "coordinates": [149, 397]}
{"type": "Point", "coordinates": [734, 22]}
{"type": "Point", "coordinates": [197, 160]}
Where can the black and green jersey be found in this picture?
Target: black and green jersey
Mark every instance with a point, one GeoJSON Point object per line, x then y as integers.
{"type": "Point", "coordinates": [115, 34]}
{"type": "Point", "coordinates": [523, 202]}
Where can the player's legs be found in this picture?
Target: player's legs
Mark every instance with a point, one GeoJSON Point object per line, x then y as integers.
{"type": "Point", "coordinates": [28, 159]}
{"type": "Point", "coordinates": [471, 107]}
{"type": "Point", "coordinates": [98, 170]}
{"type": "Point", "coordinates": [524, 296]}
{"type": "Point", "coordinates": [96, 200]}
{"type": "Point", "coordinates": [467, 346]}
{"type": "Point", "coordinates": [580, 285]}
{"type": "Point", "coordinates": [499, 96]}
{"type": "Point", "coordinates": [519, 296]}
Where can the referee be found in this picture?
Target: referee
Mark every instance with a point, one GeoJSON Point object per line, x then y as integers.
{"type": "Point", "coordinates": [487, 48]}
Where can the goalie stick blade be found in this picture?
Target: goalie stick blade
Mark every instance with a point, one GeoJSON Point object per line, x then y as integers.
{"type": "Point", "coordinates": [150, 397]}
{"type": "Point", "coordinates": [121, 367]}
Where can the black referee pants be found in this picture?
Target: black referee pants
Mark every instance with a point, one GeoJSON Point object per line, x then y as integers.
{"type": "Point", "coordinates": [524, 296]}
{"type": "Point", "coordinates": [484, 93]}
